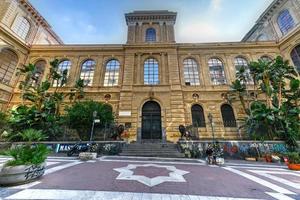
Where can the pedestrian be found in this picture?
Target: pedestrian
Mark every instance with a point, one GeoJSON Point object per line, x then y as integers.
{"type": "Point", "coordinates": [209, 154]}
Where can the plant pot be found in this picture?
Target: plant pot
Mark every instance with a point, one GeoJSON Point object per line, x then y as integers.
{"type": "Point", "coordinates": [268, 159]}
{"type": "Point", "coordinates": [250, 159]}
{"type": "Point", "coordinates": [294, 166]}
{"type": "Point", "coordinates": [84, 156]}
{"type": "Point", "coordinates": [15, 175]}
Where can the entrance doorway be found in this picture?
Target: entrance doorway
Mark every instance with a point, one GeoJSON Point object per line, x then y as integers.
{"type": "Point", "coordinates": [151, 121]}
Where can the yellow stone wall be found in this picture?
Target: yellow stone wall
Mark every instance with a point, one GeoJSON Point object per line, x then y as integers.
{"type": "Point", "coordinates": [173, 96]}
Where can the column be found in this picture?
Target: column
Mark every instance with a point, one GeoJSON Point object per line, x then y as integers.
{"type": "Point", "coordinates": [131, 32]}
{"type": "Point", "coordinates": [99, 72]}
{"type": "Point", "coordinates": [161, 26]}
{"type": "Point", "coordinates": [138, 69]}
{"type": "Point", "coordinates": [205, 71]}
{"type": "Point", "coordinates": [140, 31]}
{"type": "Point", "coordinates": [229, 69]}
{"type": "Point", "coordinates": [73, 75]}
{"type": "Point", "coordinates": [163, 68]}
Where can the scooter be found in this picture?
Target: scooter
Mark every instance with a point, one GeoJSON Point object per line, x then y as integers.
{"type": "Point", "coordinates": [77, 148]}
{"type": "Point", "coordinates": [216, 157]}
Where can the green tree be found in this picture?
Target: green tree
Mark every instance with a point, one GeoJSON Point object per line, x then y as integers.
{"type": "Point", "coordinates": [4, 126]}
{"type": "Point", "coordinates": [80, 116]}
{"type": "Point", "coordinates": [40, 107]}
{"type": "Point", "coordinates": [278, 115]}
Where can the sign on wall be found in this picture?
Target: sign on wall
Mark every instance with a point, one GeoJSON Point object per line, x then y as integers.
{"type": "Point", "coordinates": [124, 113]}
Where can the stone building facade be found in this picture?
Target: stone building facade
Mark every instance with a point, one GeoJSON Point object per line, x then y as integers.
{"type": "Point", "coordinates": [152, 83]}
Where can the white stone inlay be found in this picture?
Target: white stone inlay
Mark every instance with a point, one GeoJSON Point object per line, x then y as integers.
{"type": "Point", "coordinates": [127, 173]}
{"type": "Point", "coordinates": [56, 194]}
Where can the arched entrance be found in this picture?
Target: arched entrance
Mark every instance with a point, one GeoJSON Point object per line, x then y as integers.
{"type": "Point", "coordinates": [151, 121]}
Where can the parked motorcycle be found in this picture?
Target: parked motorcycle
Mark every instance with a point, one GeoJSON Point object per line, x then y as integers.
{"type": "Point", "coordinates": [79, 147]}
{"type": "Point", "coordinates": [215, 155]}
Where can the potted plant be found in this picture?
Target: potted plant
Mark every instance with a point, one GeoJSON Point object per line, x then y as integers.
{"type": "Point", "coordinates": [28, 159]}
{"type": "Point", "coordinates": [294, 161]}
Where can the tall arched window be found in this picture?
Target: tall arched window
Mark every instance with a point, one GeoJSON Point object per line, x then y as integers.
{"type": "Point", "coordinates": [150, 35]}
{"type": "Point", "coordinates": [191, 74]}
{"type": "Point", "coordinates": [285, 21]}
{"type": "Point", "coordinates": [87, 72]}
{"type": "Point", "coordinates": [216, 71]}
{"type": "Point", "coordinates": [151, 74]}
{"type": "Point", "coordinates": [111, 77]}
{"type": "Point", "coordinates": [21, 27]}
{"type": "Point", "coordinates": [63, 68]}
{"type": "Point", "coordinates": [39, 72]}
{"type": "Point", "coordinates": [228, 116]}
{"type": "Point", "coordinates": [295, 55]}
{"type": "Point", "coordinates": [8, 64]}
{"type": "Point", "coordinates": [198, 116]}
{"type": "Point", "coordinates": [240, 62]}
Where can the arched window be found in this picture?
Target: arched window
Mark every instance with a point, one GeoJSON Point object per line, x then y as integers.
{"type": "Point", "coordinates": [63, 67]}
{"type": "Point", "coordinates": [240, 62]}
{"type": "Point", "coordinates": [285, 21]}
{"type": "Point", "coordinates": [21, 27]}
{"type": "Point", "coordinates": [151, 73]}
{"type": "Point", "coordinates": [87, 72]}
{"type": "Point", "coordinates": [39, 72]}
{"type": "Point", "coordinates": [295, 55]}
{"type": "Point", "coordinates": [191, 74]}
{"type": "Point", "coordinates": [228, 116]}
{"type": "Point", "coordinates": [262, 37]}
{"type": "Point", "coordinates": [266, 58]}
{"type": "Point", "coordinates": [8, 64]}
{"type": "Point", "coordinates": [111, 73]}
{"type": "Point", "coordinates": [150, 35]}
{"type": "Point", "coordinates": [198, 116]}
{"type": "Point", "coordinates": [216, 71]}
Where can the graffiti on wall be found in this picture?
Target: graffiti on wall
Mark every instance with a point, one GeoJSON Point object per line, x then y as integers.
{"type": "Point", "coordinates": [238, 149]}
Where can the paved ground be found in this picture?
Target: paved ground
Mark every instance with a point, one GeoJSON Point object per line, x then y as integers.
{"type": "Point", "coordinates": [134, 179]}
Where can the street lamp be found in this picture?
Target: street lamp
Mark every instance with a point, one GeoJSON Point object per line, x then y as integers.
{"type": "Point", "coordinates": [210, 118]}
{"type": "Point", "coordinates": [93, 124]}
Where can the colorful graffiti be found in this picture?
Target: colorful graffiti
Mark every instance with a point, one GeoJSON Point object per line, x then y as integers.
{"type": "Point", "coordinates": [237, 149]}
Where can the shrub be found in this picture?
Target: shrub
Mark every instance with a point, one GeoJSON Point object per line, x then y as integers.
{"type": "Point", "coordinates": [28, 153]}
{"type": "Point", "coordinates": [41, 105]}
{"type": "Point", "coordinates": [4, 125]}
{"type": "Point", "coordinates": [294, 158]}
{"type": "Point", "coordinates": [80, 116]}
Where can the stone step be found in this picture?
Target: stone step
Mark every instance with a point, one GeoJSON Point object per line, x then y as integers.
{"type": "Point", "coordinates": [166, 155]}
{"type": "Point", "coordinates": [152, 150]}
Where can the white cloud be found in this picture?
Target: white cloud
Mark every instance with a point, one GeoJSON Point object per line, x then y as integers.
{"type": "Point", "coordinates": [216, 5]}
{"type": "Point", "coordinates": [197, 32]}
{"type": "Point", "coordinates": [90, 28]}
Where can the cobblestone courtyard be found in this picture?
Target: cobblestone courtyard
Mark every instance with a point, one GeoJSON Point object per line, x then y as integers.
{"type": "Point", "coordinates": [124, 178]}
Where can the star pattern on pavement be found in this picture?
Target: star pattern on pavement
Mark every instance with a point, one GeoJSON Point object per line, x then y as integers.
{"type": "Point", "coordinates": [127, 173]}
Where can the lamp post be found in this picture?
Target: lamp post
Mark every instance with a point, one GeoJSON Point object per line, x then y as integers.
{"type": "Point", "coordinates": [93, 124]}
{"type": "Point", "coordinates": [210, 118]}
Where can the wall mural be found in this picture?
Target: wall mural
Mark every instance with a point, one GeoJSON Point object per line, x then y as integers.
{"type": "Point", "coordinates": [234, 149]}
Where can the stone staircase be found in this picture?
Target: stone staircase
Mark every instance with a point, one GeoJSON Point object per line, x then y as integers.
{"type": "Point", "coordinates": [167, 150]}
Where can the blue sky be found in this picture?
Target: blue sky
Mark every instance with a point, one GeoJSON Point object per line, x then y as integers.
{"type": "Point", "coordinates": [103, 22]}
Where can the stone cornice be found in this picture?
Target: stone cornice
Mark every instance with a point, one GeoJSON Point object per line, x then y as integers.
{"type": "Point", "coordinates": [263, 17]}
{"type": "Point", "coordinates": [39, 18]}
{"type": "Point", "coordinates": [289, 36]}
{"type": "Point", "coordinates": [179, 46]}
{"type": "Point", "coordinates": [7, 33]}
{"type": "Point", "coordinates": [150, 16]}
{"type": "Point", "coordinates": [78, 47]}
